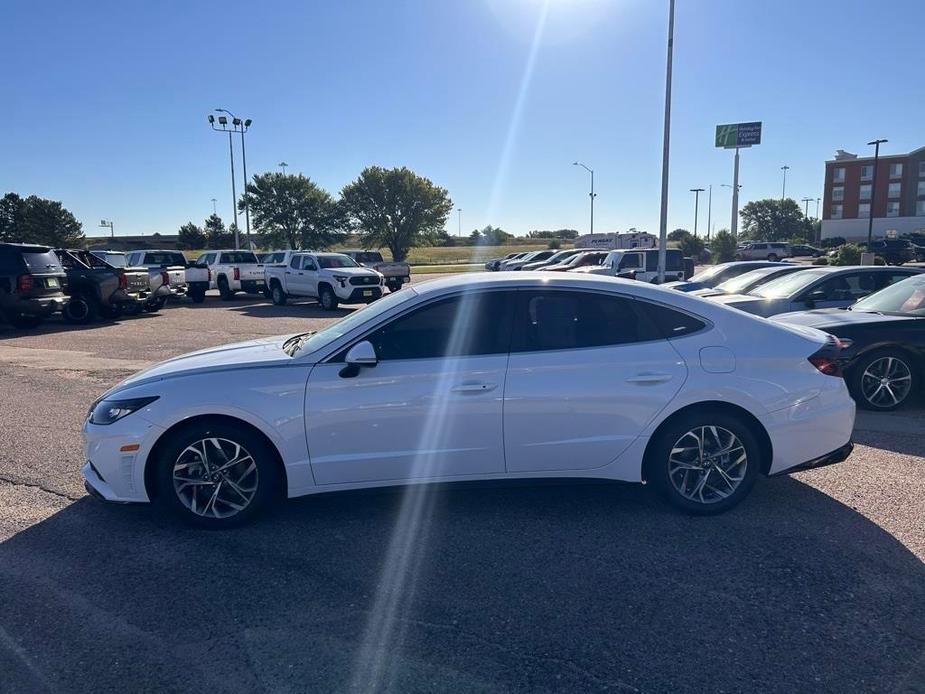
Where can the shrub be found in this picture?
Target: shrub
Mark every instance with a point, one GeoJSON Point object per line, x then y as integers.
{"type": "Point", "coordinates": [821, 261]}
{"type": "Point", "coordinates": [723, 246]}
{"type": "Point", "coordinates": [849, 254]}
{"type": "Point", "coordinates": [555, 244]}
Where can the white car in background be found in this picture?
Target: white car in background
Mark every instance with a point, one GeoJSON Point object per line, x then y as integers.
{"type": "Point", "coordinates": [474, 377]}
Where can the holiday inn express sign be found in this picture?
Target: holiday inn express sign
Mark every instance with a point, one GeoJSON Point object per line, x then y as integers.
{"type": "Point", "coordinates": [738, 135]}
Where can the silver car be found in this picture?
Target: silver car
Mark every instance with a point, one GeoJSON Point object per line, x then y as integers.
{"type": "Point", "coordinates": [763, 250]}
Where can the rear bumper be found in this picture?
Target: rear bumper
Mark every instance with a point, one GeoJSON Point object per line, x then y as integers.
{"type": "Point", "coordinates": [37, 306]}
{"type": "Point", "coordinates": [838, 455]}
{"type": "Point", "coordinates": [253, 286]}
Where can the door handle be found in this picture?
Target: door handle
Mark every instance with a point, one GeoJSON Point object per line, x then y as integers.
{"type": "Point", "coordinates": [650, 377]}
{"type": "Point", "coordinates": [288, 273]}
{"type": "Point", "coordinates": [474, 387]}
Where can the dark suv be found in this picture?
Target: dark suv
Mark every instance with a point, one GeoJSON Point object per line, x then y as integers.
{"type": "Point", "coordinates": [32, 284]}
{"type": "Point", "coordinates": [894, 251]}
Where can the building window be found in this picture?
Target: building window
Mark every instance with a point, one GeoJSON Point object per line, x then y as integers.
{"type": "Point", "coordinates": [920, 208]}
{"type": "Point", "coordinates": [836, 211]}
{"type": "Point", "coordinates": [895, 190]}
{"type": "Point", "coordinates": [864, 210]}
{"type": "Point", "coordinates": [896, 170]}
{"type": "Point", "coordinates": [921, 191]}
{"type": "Point", "coordinates": [838, 174]}
{"type": "Point", "coordinates": [922, 169]}
{"type": "Point", "coordinates": [838, 193]}
{"type": "Point", "coordinates": [867, 172]}
{"type": "Point", "coordinates": [864, 193]}
{"type": "Point", "coordinates": [892, 209]}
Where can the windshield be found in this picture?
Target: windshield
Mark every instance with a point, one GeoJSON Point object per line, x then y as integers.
{"type": "Point", "coordinates": [788, 285]}
{"type": "Point", "coordinates": [742, 283]}
{"type": "Point", "coordinates": [709, 273]}
{"type": "Point", "coordinates": [335, 261]}
{"type": "Point", "coordinates": [326, 336]}
{"type": "Point", "coordinates": [906, 297]}
{"type": "Point", "coordinates": [115, 259]}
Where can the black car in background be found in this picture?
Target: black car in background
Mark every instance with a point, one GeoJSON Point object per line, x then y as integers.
{"type": "Point", "coordinates": [32, 284]}
{"type": "Point", "coordinates": [884, 336]}
{"type": "Point", "coordinates": [96, 288]}
{"type": "Point", "coordinates": [895, 251]}
{"type": "Point", "coordinates": [801, 250]}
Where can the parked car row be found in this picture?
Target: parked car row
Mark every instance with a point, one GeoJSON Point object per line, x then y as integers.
{"type": "Point", "coordinates": [630, 263]}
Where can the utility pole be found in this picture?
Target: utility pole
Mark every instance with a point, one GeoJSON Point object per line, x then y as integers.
{"type": "Point", "coordinates": [873, 189]}
{"type": "Point", "coordinates": [666, 137]}
{"type": "Point", "coordinates": [710, 212]}
{"type": "Point", "coordinates": [214, 211]}
{"type": "Point", "coordinates": [697, 192]}
{"type": "Point", "coordinates": [783, 190]}
{"type": "Point", "coordinates": [223, 121]}
{"type": "Point", "coordinates": [283, 166]}
{"type": "Point", "coordinates": [108, 223]}
{"type": "Point", "coordinates": [458, 221]}
{"type": "Point", "coordinates": [593, 195]}
{"type": "Point", "coordinates": [734, 222]}
{"type": "Point", "coordinates": [806, 201]}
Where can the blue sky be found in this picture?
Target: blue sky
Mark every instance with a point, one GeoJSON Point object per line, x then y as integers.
{"type": "Point", "coordinates": [105, 103]}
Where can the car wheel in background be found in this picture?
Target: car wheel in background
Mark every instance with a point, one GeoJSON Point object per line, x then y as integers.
{"type": "Point", "coordinates": [23, 321]}
{"type": "Point", "coordinates": [704, 462]}
{"type": "Point", "coordinates": [883, 380]}
{"type": "Point", "coordinates": [278, 295]}
{"type": "Point", "coordinates": [216, 475]}
{"type": "Point", "coordinates": [155, 305]}
{"type": "Point", "coordinates": [79, 310]}
{"type": "Point", "coordinates": [224, 290]}
{"type": "Point", "coordinates": [394, 286]}
{"type": "Point", "coordinates": [773, 257]}
{"type": "Point", "coordinates": [327, 299]}
{"type": "Point", "coordinates": [197, 295]}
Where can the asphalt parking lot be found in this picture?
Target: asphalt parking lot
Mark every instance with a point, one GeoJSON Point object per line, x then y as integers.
{"type": "Point", "coordinates": [815, 583]}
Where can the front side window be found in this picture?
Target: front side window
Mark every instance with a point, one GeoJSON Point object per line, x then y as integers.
{"type": "Point", "coordinates": [557, 320]}
{"type": "Point", "coordinates": [630, 260]}
{"type": "Point", "coordinates": [296, 262]}
{"type": "Point", "coordinates": [472, 324]}
{"type": "Point", "coordinates": [847, 287]}
{"type": "Point", "coordinates": [906, 295]}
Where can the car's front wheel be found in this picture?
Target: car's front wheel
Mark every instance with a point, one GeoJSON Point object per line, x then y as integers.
{"type": "Point", "coordinates": [704, 463]}
{"type": "Point", "coordinates": [217, 475]}
{"type": "Point", "coordinates": [328, 299]}
{"type": "Point", "coordinates": [773, 257]}
{"type": "Point", "coordinates": [883, 380]}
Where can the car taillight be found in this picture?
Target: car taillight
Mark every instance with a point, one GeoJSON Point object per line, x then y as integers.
{"type": "Point", "coordinates": [210, 275]}
{"type": "Point", "coordinates": [25, 283]}
{"type": "Point", "coordinates": [237, 274]}
{"type": "Point", "coordinates": [827, 359]}
{"type": "Point", "coordinates": [123, 281]}
{"type": "Point", "coordinates": [165, 279]}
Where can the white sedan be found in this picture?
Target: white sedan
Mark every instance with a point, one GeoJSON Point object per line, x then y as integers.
{"type": "Point", "coordinates": [479, 377]}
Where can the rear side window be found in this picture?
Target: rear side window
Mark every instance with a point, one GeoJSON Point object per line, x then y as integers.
{"type": "Point", "coordinates": [557, 320]}
{"type": "Point", "coordinates": [41, 261]}
{"type": "Point", "coordinates": [296, 262]}
{"type": "Point", "coordinates": [467, 325]}
{"type": "Point", "coordinates": [671, 323]}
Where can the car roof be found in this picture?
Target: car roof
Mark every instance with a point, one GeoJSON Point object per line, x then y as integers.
{"type": "Point", "coordinates": [31, 247]}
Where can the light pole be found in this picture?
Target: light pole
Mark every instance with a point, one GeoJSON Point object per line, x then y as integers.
{"type": "Point", "coordinates": [697, 192]}
{"type": "Point", "coordinates": [709, 211]}
{"type": "Point", "coordinates": [806, 201]}
{"type": "Point", "coordinates": [783, 190]}
{"type": "Point", "coordinates": [663, 213]}
{"type": "Point", "coordinates": [458, 222]}
{"type": "Point", "coordinates": [735, 200]}
{"type": "Point", "coordinates": [592, 193]}
{"type": "Point", "coordinates": [108, 223]}
{"type": "Point", "coordinates": [214, 211]}
{"type": "Point", "coordinates": [873, 188]}
{"type": "Point", "coordinates": [818, 200]}
{"type": "Point", "coordinates": [223, 121]}
{"type": "Point", "coordinates": [242, 127]}
{"type": "Point", "coordinates": [283, 166]}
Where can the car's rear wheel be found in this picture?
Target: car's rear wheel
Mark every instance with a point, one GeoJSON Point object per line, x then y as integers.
{"type": "Point", "coordinates": [224, 290]}
{"type": "Point", "coordinates": [704, 463]}
{"type": "Point", "coordinates": [773, 257]}
{"type": "Point", "coordinates": [883, 380]}
{"type": "Point", "coordinates": [278, 295]}
{"type": "Point", "coordinates": [155, 305]}
{"type": "Point", "coordinates": [197, 295]}
{"type": "Point", "coordinates": [217, 475]}
{"type": "Point", "coordinates": [80, 310]}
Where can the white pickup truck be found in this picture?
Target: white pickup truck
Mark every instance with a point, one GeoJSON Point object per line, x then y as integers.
{"type": "Point", "coordinates": [331, 278]}
{"type": "Point", "coordinates": [396, 274]}
{"type": "Point", "coordinates": [232, 271]}
{"type": "Point", "coordinates": [166, 268]}
{"type": "Point", "coordinates": [639, 264]}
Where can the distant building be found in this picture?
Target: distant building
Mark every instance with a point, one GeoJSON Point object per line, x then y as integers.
{"type": "Point", "coordinates": [131, 243]}
{"type": "Point", "coordinates": [898, 203]}
{"type": "Point", "coordinates": [616, 239]}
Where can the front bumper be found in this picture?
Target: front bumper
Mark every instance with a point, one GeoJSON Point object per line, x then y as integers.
{"type": "Point", "coordinates": [358, 295]}
{"type": "Point", "coordinates": [838, 455]}
{"type": "Point", "coordinates": [114, 473]}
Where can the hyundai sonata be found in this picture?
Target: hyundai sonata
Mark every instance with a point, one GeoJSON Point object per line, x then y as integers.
{"type": "Point", "coordinates": [520, 375]}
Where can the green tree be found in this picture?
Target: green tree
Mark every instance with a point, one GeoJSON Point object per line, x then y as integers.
{"type": "Point", "coordinates": [723, 245]}
{"type": "Point", "coordinates": [216, 234]}
{"type": "Point", "coordinates": [191, 237]}
{"type": "Point", "coordinates": [38, 220]}
{"type": "Point", "coordinates": [774, 220]}
{"type": "Point", "coordinates": [691, 246]}
{"type": "Point", "coordinates": [396, 208]}
{"type": "Point", "coordinates": [292, 211]}
{"type": "Point", "coordinates": [495, 236]}
{"type": "Point", "coordinates": [849, 254]}
{"type": "Point", "coordinates": [678, 234]}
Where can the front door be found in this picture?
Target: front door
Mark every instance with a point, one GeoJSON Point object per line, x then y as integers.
{"type": "Point", "coordinates": [588, 371]}
{"type": "Point", "coordinates": [430, 408]}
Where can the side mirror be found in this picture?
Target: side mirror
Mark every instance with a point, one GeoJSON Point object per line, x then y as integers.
{"type": "Point", "coordinates": [362, 354]}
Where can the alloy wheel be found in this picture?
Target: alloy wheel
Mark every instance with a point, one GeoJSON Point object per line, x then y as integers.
{"type": "Point", "coordinates": [707, 464]}
{"type": "Point", "coordinates": [215, 478]}
{"type": "Point", "coordinates": [886, 382]}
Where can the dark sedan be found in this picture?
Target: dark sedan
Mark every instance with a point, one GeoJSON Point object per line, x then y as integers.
{"type": "Point", "coordinates": [884, 336]}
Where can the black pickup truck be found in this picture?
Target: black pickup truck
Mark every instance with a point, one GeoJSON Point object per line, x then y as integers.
{"type": "Point", "coordinates": [32, 284]}
{"type": "Point", "coordinates": [96, 288]}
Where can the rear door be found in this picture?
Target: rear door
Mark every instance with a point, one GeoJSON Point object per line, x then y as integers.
{"type": "Point", "coordinates": [587, 372]}
{"type": "Point", "coordinates": [309, 276]}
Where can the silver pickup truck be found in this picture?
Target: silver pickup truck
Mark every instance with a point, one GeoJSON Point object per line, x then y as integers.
{"type": "Point", "coordinates": [396, 274]}
{"type": "Point", "coordinates": [165, 268]}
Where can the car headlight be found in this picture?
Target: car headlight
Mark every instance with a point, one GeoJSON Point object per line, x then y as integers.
{"type": "Point", "coordinates": [340, 278]}
{"type": "Point", "coordinates": [109, 411]}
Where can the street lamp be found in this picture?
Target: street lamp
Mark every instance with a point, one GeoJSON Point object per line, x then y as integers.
{"type": "Point", "coordinates": [242, 126]}
{"type": "Point", "coordinates": [108, 223]}
{"type": "Point", "coordinates": [696, 192]}
{"type": "Point", "coordinates": [806, 201]}
{"type": "Point", "coordinates": [592, 193]}
{"type": "Point", "coordinates": [709, 211]}
{"type": "Point", "coordinates": [283, 166]}
{"type": "Point", "coordinates": [873, 188]}
{"type": "Point", "coordinates": [663, 213]}
{"type": "Point", "coordinates": [783, 190]}
{"type": "Point", "coordinates": [222, 121]}
{"type": "Point", "coordinates": [214, 211]}
{"type": "Point", "coordinates": [458, 221]}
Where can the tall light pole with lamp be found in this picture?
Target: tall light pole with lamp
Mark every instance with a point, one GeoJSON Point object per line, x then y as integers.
{"type": "Point", "coordinates": [283, 166]}
{"type": "Point", "coordinates": [806, 201]}
{"type": "Point", "coordinates": [697, 192]}
{"type": "Point", "coordinates": [223, 122]}
{"type": "Point", "coordinates": [242, 125]}
{"type": "Point", "coordinates": [592, 193]}
{"type": "Point", "coordinates": [709, 211]}
{"type": "Point", "coordinates": [458, 222]}
{"type": "Point", "coordinates": [783, 190]}
{"type": "Point", "coordinates": [666, 137]}
{"type": "Point", "coordinates": [873, 189]}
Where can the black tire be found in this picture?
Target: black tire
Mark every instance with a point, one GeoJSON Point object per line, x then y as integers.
{"type": "Point", "coordinates": [773, 257]}
{"type": "Point", "coordinates": [266, 478]}
{"type": "Point", "coordinates": [903, 370]}
{"type": "Point", "coordinates": [328, 299]}
{"type": "Point", "coordinates": [80, 310]}
{"type": "Point", "coordinates": [277, 295]}
{"type": "Point", "coordinates": [267, 294]}
{"type": "Point", "coordinates": [676, 436]}
{"type": "Point", "coordinates": [393, 286]}
{"type": "Point", "coordinates": [197, 295]}
{"type": "Point", "coordinates": [224, 290]}
{"type": "Point", "coordinates": [23, 321]}
{"type": "Point", "coordinates": [155, 305]}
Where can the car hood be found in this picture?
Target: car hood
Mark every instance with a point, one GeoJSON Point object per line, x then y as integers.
{"type": "Point", "coordinates": [351, 271]}
{"type": "Point", "coordinates": [835, 317]}
{"type": "Point", "coordinates": [254, 353]}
